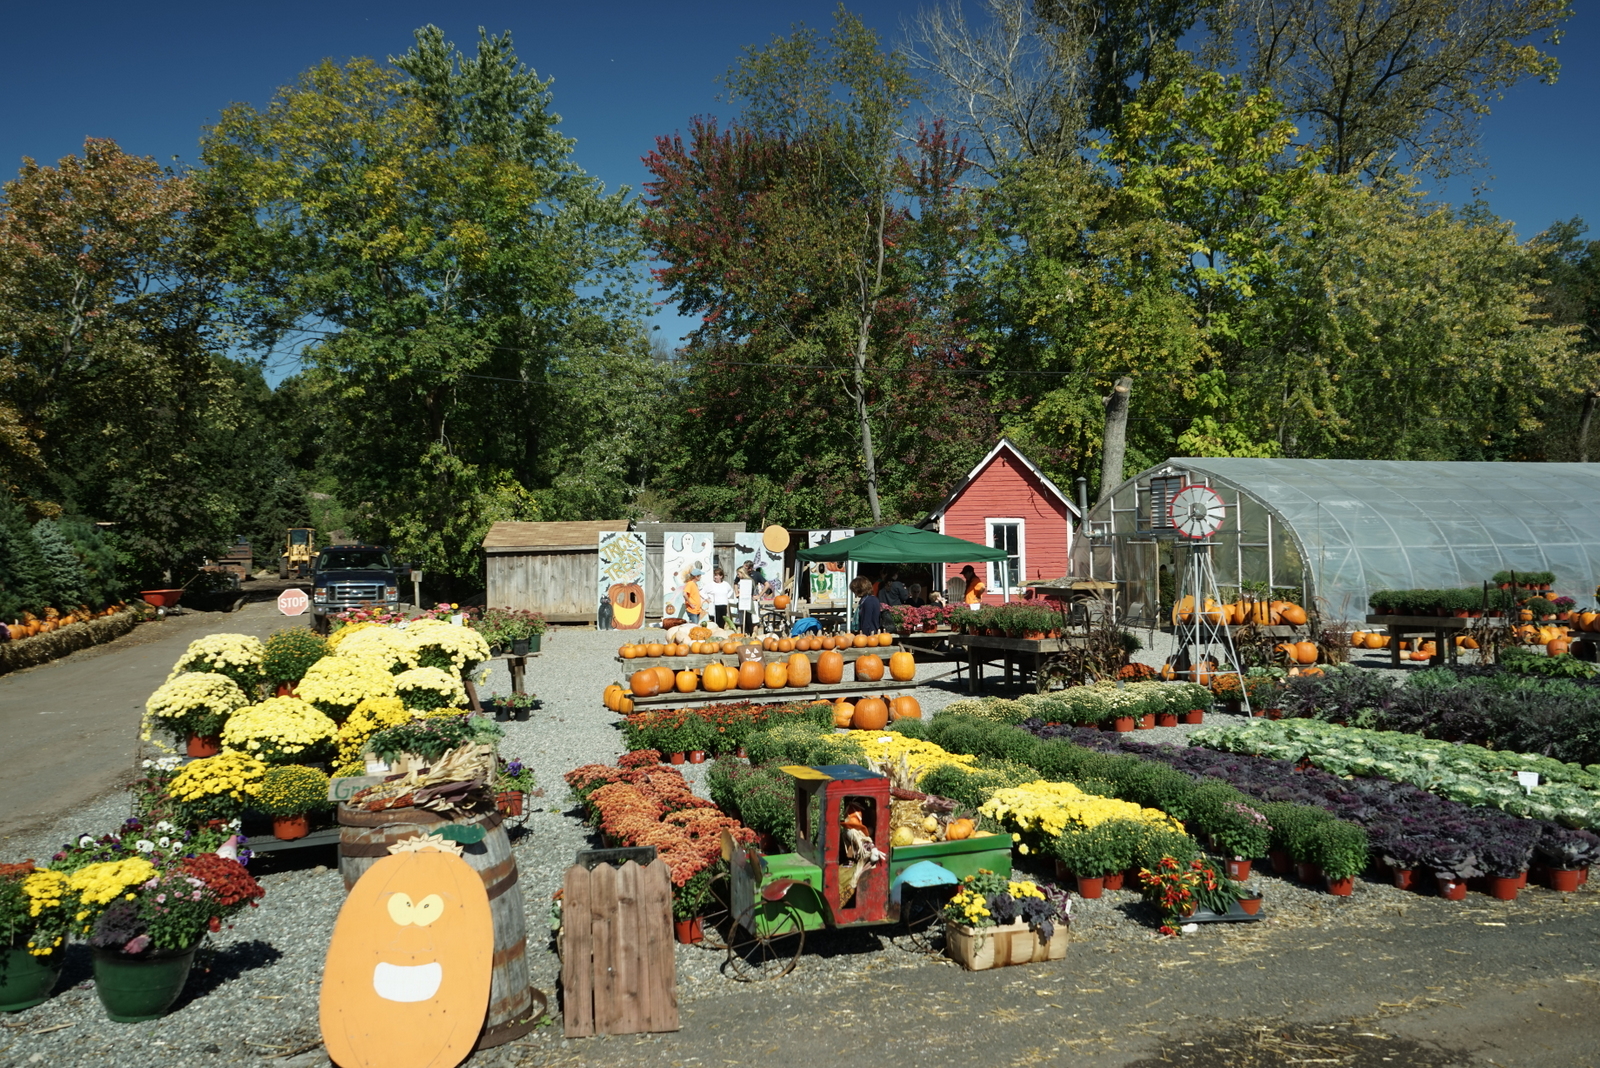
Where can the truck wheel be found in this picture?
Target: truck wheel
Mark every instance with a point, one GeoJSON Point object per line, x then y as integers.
{"type": "Point", "coordinates": [283, 571]}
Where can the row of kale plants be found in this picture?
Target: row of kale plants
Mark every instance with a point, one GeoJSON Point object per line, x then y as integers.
{"type": "Point", "coordinates": [1502, 706]}
{"type": "Point", "coordinates": [1407, 828]}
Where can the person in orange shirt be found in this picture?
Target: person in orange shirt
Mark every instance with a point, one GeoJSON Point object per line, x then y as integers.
{"type": "Point", "coordinates": [693, 610]}
{"type": "Point", "coordinates": [975, 587]}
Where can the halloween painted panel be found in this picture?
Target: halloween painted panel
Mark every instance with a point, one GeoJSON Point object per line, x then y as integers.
{"type": "Point", "coordinates": [622, 580]}
{"type": "Point", "coordinates": [765, 567]}
{"type": "Point", "coordinates": [406, 983]}
{"type": "Point", "coordinates": [685, 572]}
{"type": "Point", "coordinates": [830, 581]}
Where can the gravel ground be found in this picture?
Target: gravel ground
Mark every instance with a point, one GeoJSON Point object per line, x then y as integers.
{"type": "Point", "coordinates": [256, 996]}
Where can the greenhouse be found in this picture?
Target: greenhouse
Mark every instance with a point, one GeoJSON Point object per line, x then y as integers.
{"type": "Point", "coordinates": [1326, 533]}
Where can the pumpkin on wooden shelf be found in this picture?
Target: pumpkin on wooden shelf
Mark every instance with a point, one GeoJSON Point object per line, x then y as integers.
{"type": "Point", "coordinates": [655, 649]}
{"type": "Point", "coordinates": [699, 634]}
{"type": "Point", "coordinates": [730, 648]}
{"type": "Point", "coordinates": [628, 652]}
{"type": "Point", "coordinates": [905, 707]}
{"type": "Point", "coordinates": [611, 695]}
{"type": "Point", "coordinates": [751, 675]}
{"type": "Point", "coordinates": [830, 667]}
{"type": "Point", "coordinates": [799, 670]}
{"type": "Point", "coordinates": [781, 601]}
{"type": "Point", "coordinates": [785, 645]}
{"type": "Point", "coordinates": [625, 702]}
{"type": "Point", "coordinates": [645, 683]}
{"type": "Point", "coordinates": [869, 668]}
{"type": "Point", "coordinates": [843, 713]}
{"type": "Point", "coordinates": [859, 641]}
{"type": "Point", "coordinates": [885, 639]}
{"type": "Point", "coordinates": [715, 677]}
{"type": "Point", "coordinates": [775, 675]}
{"type": "Point", "coordinates": [687, 681]}
{"type": "Point", "coordinates": [1292, 614]}
{"type": "Point", "coordinates": [872, 714]}
{"type": "Point", "coordinates": [902, 666]}
{"type": "Point", "coordinates": [770, 643]}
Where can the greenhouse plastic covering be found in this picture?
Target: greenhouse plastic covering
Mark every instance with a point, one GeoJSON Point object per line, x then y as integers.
{"type": "Point", "coordinates": [1365, 525]}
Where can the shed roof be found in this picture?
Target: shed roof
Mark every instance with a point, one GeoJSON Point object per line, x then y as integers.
{"type": "Point", "coordinates": [507, 534]}
{"type": "Point", "coordinates": [1404, 524]}
{"type": "Point", "coordinates": [721, 533]}
{"type": "Point", "coordinates": [1004, 444]}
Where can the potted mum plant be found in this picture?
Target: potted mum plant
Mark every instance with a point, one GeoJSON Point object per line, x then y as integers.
{"type": "Point", "coordinates": [291, 795]}
{"type": "Point", "coordinates": [193, 708]}
{"type": "Point", "coordinates": [34, 918]}
{"type": "Point", "coordinates": [512, 784]}
{"type": "Point", "coordinates": [993, 922]}
{"type": "Point", "coordinates": [144, 925]}
{"type": "Point", "coordinates": [288, 655]}
{"type": "Point", "coordinates": [281, 730]}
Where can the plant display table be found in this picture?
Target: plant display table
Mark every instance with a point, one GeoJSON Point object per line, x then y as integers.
{"type": "Point", "coordinates": [1027, 654]}
{"type": "Point", "coordinates": [266, 843]}
{"type": "Point", "coordinates": [695, 661]}
{"type": "Point", "coordinates": [518, 666]}
{"type": "Point", "coordinates": [813, 692]}
{"type": "Point", "coordinates": [1443, 628]}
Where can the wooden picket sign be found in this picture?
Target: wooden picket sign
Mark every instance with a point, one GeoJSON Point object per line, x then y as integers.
{"type": "Point", "coordinates": [618, 972]}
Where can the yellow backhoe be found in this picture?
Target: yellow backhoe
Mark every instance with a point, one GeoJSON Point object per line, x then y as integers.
{"type": "Point", "coordinates": [300, 547]}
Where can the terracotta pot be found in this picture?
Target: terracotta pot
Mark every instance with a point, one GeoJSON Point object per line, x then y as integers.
{"type": "Point", "coordinates": [1114, 881]}
{"type": "Point", "coordinates": [697, 756]}
{"type": "Point", "coordinates": [285, 689]}
{"type": "Point", "coordinates": [1251, 905]}
{"type": "Point", "coordinates": [1062, 874]}
{"type": "Point", "coordinates": [739, 752]}
{"type": "Point", "coordinates": [1307, 872]}
{"type": "Point", "coordinates": [1147, 721]}
{"type": "Point", "coordinates": [1238, 870]}
{"type": "Point", "coordinates": [1089, 726]}
{"type": "Point", "coordinates": [1167, 719]}
{"type": "Point", "coordinates": [1453, 889]}
{"type": "Point", "coordinates": [1342, 887]}
{"type": "Point", "coordinates": [509, 802]}
{"type": "Point", "coordinates": [288, 828]}
{"type": "Point", "coordinates": [675, 758]}
{"type": "Point", "coordinates": [1281, 864]}
{"type": "Point", "coordinates": [688, 932]}
{"type": "Point", "coordinates": [1122, 724]}
{"type": "Point", "coordinates": [1090, 887]}
{"type": "Point", "coordinates": [204, 745]}
{"type": "Point", "coordinates": [1194, 716]}
{"type": "Point", "coordinates": [1405, 878]}
{"type": "Point", "coordinates": [1505, 887]}
{"type": "Point", "coordinates": [1566, 880]}
{"type": "Point", "coordinates": [1274, 713]}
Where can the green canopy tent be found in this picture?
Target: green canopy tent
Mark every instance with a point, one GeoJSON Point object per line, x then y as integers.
{"type": "Point", "coordinates": [900, 544]}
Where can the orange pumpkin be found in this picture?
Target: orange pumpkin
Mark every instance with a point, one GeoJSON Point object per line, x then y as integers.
{"type": "Point", "coordinates": [1469, 643]}
{"type": "Point", "coordinates": [781, 601]}
{"type": "Point", "coordinates": [872, 714]}
{"type": "Point", "coordinates": [687, 681]}
{"type": "Point", "coordinates": [1305, 652]}
{"type": "Point", "coordinates": [843, 713]}
{"type": "Point", "coordinates": [799, 670]}
{"type": "Point", "coordinates": [785, 645]}
{"type": "Point", "coordinates": [830, 667]}
{"type": "Point", "coordinates": [1557, 647]}
{"type": "Point", "coordinates": [654, 649]}
{"type": "Point", "coordinates": [699, 634]}
{"type": "Point", "coordinates": [958, 830]}
{"type": "Point", "coordinates": [776, 675]}
{"type": "Point", "coordinates": [1374, 641]}
{"type": "Point", "coordinates": [1292, 614]}
{"type": "Point", "coordinates": [664, 678]}
{"type": "Point", "coordinates": [770, 644]}
{"type": "Point", "coordinates": [750, 674]}
{"type": "Point", "coordinates": [715, 677]}
{"type": "Point", "coordinates": [905, 707]}
{"type": "Point", "coordinates": [902, 666]}
{"type": "Point", "coordinates": [613, 694]}
{"type": "Point", "coordinates": [730, 648]}
{"type": "Point", "coordinates": [406, 982]}
{"type": "Point", "coordinates": [869, 668]}
{"type": "Point", "coordinates": [859, 641]}
{"type": "Point", "coordinates": [645, 683]}
{"type": "Point", "coordinates": [885, 640]}
{"type": "Point", "coordinates": [625, 702]}
{"type": "Point", "coordinates": [629, 651]}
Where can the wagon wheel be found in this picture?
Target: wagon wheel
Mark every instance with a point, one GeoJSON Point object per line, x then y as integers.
{"type": "Point", "coordinates": [716, 919]}
{"type": "Point", "coordinates": [753, 958]}
{"type": "Point", "coordinates": [920, 924]}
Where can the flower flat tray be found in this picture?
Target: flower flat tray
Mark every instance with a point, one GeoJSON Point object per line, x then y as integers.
{"type": "Point", "coordinates": [1233, 915]}
{"type": "Point", "coordinates": [267, 843]}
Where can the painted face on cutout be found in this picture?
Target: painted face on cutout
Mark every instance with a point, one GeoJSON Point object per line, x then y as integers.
{"type": "Point", "coordinates": [627, 605]}
{"type": "Point", "coordinates": [406, 984]}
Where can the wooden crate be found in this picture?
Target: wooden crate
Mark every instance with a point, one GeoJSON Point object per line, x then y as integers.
{"type": "Point", "coordinates": [618, 973]}
{"type": "Point", "coordinates": [980, 948]}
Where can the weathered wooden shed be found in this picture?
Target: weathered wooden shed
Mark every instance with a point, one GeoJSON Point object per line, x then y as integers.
{"type": "Point", "coordinates": [548, 567]}
{"type": "Point", "coordinates": [722, 551]}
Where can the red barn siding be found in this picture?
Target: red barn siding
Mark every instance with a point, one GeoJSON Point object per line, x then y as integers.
{"type": "Point", "coordinates": [1007, 489]}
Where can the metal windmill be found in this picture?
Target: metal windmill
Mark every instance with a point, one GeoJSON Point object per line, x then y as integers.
{"type": "Point", "coordinates": [1196, 513]}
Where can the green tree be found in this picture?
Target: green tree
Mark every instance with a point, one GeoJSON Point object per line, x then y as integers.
{"type": "Point", "coordinates": [61, 564]}
{"type": "Point", "coordinates": [24, 575]}
{"type": "Point", "coordinates": [426, 219]}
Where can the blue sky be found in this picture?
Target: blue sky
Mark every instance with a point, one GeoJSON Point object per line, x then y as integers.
{"type": "Point", "coordinates": [149, 76]}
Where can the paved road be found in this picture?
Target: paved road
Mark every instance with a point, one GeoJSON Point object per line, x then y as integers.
{"type": "Point", "coordinates": [71, 727]}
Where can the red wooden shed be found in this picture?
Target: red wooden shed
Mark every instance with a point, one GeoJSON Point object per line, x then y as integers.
{"type": "Point", "coordinates": [1007, 502]}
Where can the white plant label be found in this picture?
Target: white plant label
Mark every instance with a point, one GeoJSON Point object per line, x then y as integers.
{"type": "Point", "coordinates": [1528, 780]}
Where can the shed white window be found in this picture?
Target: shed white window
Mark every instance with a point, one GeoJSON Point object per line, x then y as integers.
{"type": "Point", "coordinates": [1005, 576]}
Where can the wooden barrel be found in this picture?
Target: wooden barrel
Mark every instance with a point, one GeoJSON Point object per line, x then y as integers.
{"type": "Point", "coordinates": [364, 837]}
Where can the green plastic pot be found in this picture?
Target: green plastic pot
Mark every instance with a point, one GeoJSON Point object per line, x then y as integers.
{"type": "Point", "coordinates": [26, 980]}
{"type": "Point", "coordinates": [134, 989]}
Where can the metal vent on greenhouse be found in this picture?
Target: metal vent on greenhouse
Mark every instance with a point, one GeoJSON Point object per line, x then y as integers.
{"type": "Point", "coordinates": [1326, 533]}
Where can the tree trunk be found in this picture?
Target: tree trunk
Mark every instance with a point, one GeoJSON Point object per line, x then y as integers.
{"type": "Point", "coordinates": [1116, 437]}
{"type": "Point", "coordinates": [869, 288]}
{"type": "Point", "coordinates": [1583, 426]}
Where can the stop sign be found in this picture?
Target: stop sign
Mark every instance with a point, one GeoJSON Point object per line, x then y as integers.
{"type": "Point", "coordinates": [293, 602]}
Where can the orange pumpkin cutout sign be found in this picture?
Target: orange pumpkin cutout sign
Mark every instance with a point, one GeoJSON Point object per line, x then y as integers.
{"type": "Point", "coordinates": [406, 984]}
